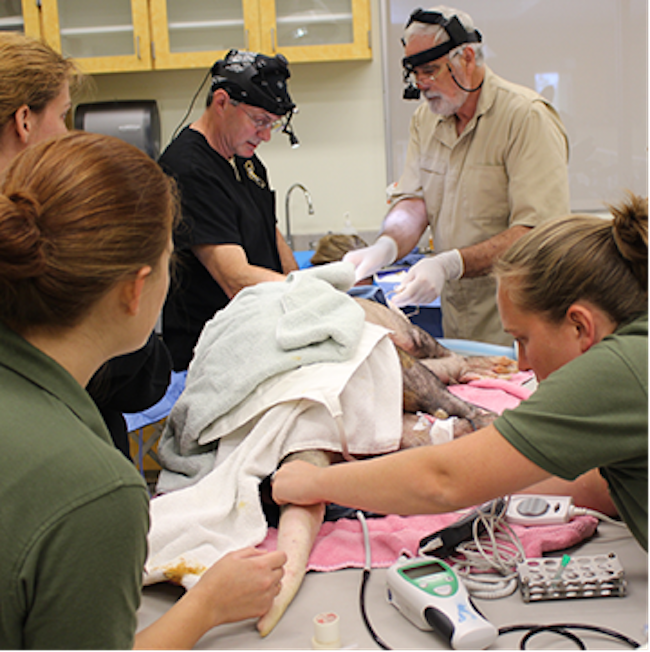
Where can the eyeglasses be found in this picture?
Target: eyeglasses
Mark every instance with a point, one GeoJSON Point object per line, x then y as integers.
{"type": "Point", "coordinates": [261, 123]}
{"type": "Point", "coordinates": [425, 74]}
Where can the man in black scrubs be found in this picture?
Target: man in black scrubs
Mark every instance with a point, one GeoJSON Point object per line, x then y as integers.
{"type": "Point", "coordinates": [228, 238]}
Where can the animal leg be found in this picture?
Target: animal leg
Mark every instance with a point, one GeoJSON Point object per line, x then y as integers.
{"type": "Point", "coordinates": [425, 392]}
{"type": "Point", "coordinates": [449, 366]}
{"type": "Point", "coordinates": [297, 530]}
{"type": "Point", "coordinates": [404, 334]}
{"type": "Point", "coordinates": [488, 366]}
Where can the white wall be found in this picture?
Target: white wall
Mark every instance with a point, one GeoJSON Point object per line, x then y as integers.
{"type": "Point", "coordinates": [341, 159]}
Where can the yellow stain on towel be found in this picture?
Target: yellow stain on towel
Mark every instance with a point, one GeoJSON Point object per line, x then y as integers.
{"type": "Point", "coordinates": [175, 574]}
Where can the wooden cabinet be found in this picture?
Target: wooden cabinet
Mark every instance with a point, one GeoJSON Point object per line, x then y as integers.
{"type": "Point", "coordinates": [316, 31]}
{"type": "Point", "coordinates": [102, 36]}
{"type": "Point", "coordinates": [20, 16]}
{"type": "Point", "coordinates": [123, 35]}
{"type": "Point", "coordinates": [195, 33]}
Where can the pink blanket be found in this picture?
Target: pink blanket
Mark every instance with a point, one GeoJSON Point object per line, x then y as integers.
{"type": "Point", "coordinates": [339, 544]}
{"type": "Point", "coordinates": [495, 394]}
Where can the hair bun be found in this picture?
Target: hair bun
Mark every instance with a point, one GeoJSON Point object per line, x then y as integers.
{"type": "Point", "coordinates": [26, 204]}
{"type": "Point", "coordinates": [630, 227]}
{"type": "Point", "coordinates": [21, 251]}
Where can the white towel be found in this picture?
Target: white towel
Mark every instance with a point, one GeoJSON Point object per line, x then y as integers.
{"type": "Point", "coordinates": [191, 528]}
{"type": "Point", "coordinates": [265, 330]}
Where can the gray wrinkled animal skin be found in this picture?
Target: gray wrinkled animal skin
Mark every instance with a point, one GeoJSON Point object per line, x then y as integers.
{"type": "Point", "coordinates": [428, 367]}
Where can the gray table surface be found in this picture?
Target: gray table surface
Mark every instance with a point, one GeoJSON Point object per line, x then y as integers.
{"type": "Point", "coordinates": [339, 592]}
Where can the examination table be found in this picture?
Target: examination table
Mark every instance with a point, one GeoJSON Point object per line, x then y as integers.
{"type": "Point", "coordinates": [339, 592]}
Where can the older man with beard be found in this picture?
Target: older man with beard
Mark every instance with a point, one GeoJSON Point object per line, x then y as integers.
{"type": "Point", "coordinates": [486, 162]}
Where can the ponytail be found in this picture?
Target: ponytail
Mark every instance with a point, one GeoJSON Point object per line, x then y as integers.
{"type": "Point", "coordinates": [583, 257]}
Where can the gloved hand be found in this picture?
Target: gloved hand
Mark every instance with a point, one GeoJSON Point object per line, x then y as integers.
{"type": "Point", "coordinates": [424, 281]}
{"type": "Point", "coordinates": [371, 259]}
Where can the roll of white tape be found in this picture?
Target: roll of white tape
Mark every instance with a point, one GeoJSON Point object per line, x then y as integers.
{"type": "Point", "coordinates": [326, 632]}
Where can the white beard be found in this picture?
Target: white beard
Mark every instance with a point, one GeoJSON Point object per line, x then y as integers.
{"type": "Point", "coordinates": [443, 105]}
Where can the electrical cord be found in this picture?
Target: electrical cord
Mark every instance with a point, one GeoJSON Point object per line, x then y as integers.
{"type": "Point", "coordinates": [531, 630]}
{"type": "Point", "coordinates": [191, 106]}
{"type": "Point", "coordinates": [366, 575]}
{"type": "Point", "coordinates": [583, 511]}
{"type": "Point", "coordinates": [561, 629]}
{"type": "Point", "coordinates": [476, 561]}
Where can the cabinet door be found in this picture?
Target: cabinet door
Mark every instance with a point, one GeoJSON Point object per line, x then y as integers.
{"type": "Point", "coordinates": [316, 30]}
{"type": "Point", "coordinates": [195, 34]}
{"type": "Point", "coordinates": [19, 16]}
{"type": "Point", "coordinates": [101, 35]}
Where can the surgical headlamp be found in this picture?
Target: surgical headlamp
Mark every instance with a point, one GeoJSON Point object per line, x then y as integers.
{"type": "Point", "coordinates": [257, 80]}
{"type": "Point", "coordinates": [457, 36]}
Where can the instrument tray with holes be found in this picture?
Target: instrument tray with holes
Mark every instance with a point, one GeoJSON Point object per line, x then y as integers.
{"type": "Point", "coordinates": [554, 578]}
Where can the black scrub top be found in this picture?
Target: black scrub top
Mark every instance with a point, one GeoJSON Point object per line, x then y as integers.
{"type": "Point", "coordinates": [223, 202]}
{"type": "Point", "coordinates": [130, 383]}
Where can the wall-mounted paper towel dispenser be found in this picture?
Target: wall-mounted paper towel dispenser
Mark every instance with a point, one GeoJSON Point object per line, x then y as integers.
{"type": "Point", "coordinates": [135, 121]}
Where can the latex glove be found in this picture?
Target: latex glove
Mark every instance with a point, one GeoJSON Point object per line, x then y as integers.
{"type": "Point", "coordinates": [371, 259]}
{"type": "Point", "coordinates": [424, 282]}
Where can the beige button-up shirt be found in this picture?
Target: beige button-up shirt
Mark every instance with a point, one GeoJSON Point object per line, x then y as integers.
{"type": "Point", "coordinates": [507, 168]}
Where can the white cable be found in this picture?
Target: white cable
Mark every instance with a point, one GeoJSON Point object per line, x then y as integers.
{"type": "Point", "coordinates": [583, 511]}
{"type": "Point", "coordinates": [488, 568]}
{"type": "Point", "coordinates": [488, 563]}
{"type": "Point", "coordinates": [366, 539]}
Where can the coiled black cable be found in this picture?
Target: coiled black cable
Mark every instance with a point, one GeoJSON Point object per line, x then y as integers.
{"type": "Point", "coordinates": [531, 630]}
{"type": "Point", "coordinates": [561, 630]}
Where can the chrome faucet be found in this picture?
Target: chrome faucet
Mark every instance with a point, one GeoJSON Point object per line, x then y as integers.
{"type": "Point", "coordinates": [310, 208]}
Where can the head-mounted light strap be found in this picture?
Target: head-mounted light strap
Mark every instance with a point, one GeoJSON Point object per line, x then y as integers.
{"type": "Point", "coordinates": [422, 16]}
{"type": "Point", "coordinates": [454, 28]}
{"type": "Point", "coordinates": [254, 79]}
